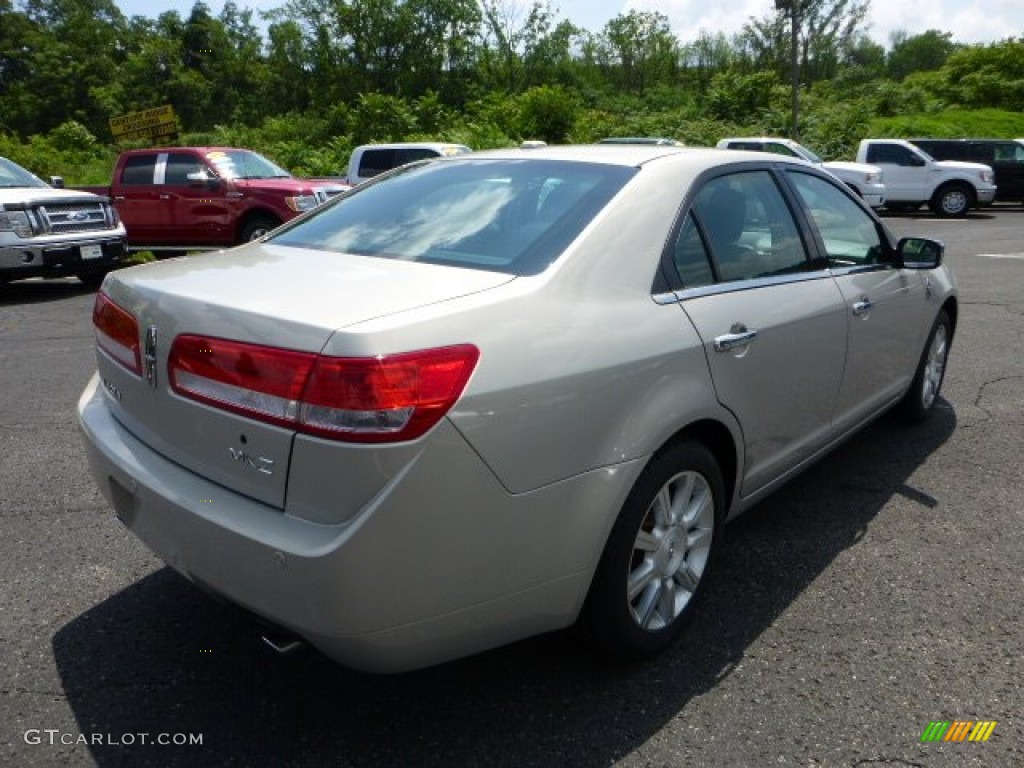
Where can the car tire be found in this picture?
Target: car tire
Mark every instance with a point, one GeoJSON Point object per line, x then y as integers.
{"type": "Point", "coordinates": [924, 390]}
{"type": "Point", "coordinates": [657, 559]}
{"type": "Point", "coordinates": [256, 228]}
{"type": "Point", "coordinates": [952, 200]}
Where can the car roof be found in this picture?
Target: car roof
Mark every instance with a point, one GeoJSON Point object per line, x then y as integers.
{"type": "Point", "coordinates": [631, 155]}
{"type": "Point", "coordinates": [438, 145]}
{"type": "Point", "coordinates": [641, 140]}
{"type": "Point", "coordinates": [201, 150]}
{"type": "Point", "coordinates": [779, 139]}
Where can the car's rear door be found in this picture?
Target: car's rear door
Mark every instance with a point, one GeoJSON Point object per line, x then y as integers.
{"type": "Point", "coordinates": [885, 303]}
{"type": "Point", "coordinates": [773, 324]}
{"type": "Point", "coordinates": [137, 198]}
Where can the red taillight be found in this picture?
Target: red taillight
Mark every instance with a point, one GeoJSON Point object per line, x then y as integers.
{"type": "Point", "coordinates": [396, 397]}
{"type": "Point", "coordinates": [376, 399]}
{"type": "Point", "coordinates": [262, 382]}
{"type": "Point", "coordinates": [117, 333]}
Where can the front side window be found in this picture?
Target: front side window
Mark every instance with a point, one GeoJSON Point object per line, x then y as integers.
{"type": "Point", "coordinates": [779, 149]}
{"type": "Point", "coordinates": [750, 229]}
{"type": "Point", "coordinates": [893, 154]}
{"type": "Point", "coordinates": [848, 232]}
{"type": "Point", "coordinates": [1009, 152]}
{"type": "Point", "coordinates": [179, 166]}
{"type": "Point", "coordinates": [511, 216]}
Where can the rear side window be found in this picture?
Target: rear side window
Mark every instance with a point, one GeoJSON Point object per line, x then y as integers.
{"type": "Point", "coordinates": [501, 215]}
{"type": "Point", "coordinates": [138, 169]}
{"type": "Point", "coordinates": [403, 156]}
{"type": "Point", "coordinates": [690, 257]}
{"type": "Point", "coordinates": [376, 161]}
{"type": "Point", "coordinates": [749, 227]}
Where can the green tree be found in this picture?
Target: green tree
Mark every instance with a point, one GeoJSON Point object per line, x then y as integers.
{"type": "Point", "coordinates": [919, 53]}
{"type": "Point", "coordinates": [67, 49]}
{"type": "Point", "coordinates": [987, 75]}
{"type": "Point", "coordinates": [643, 47]}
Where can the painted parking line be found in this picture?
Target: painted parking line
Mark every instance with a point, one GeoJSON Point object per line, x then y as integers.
{"type": "Point", "coordinates": [1017, 256]}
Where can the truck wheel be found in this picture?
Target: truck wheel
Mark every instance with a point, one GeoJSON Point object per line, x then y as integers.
{"type": "Point", "coordinates": [952, 200]}
{"type": "Point", "coordinates": [257, 228]}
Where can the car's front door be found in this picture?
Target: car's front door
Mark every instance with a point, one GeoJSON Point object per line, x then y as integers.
{"type": "Point", "coordinates": [773, 325]}
{"type": "Point", "coordinates": [200, 211]}
{"type": "Point", "coordinates": [902, 169]}
{"type": "Point", "coordinates": [884, 302]}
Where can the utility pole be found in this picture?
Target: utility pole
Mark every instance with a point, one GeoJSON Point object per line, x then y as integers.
{"type": "Point", "coordinates": [793, 6]}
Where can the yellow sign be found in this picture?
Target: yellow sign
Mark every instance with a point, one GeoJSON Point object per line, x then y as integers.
{"type": "Point", "coordinates": [158, 122]}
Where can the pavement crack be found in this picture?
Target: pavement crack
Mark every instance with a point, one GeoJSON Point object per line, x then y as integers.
{"type": "Point", "coordinates": [984, 386]}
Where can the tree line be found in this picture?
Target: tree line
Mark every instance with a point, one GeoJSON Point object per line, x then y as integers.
{"type": "Point", "coordinates": [318, 76]}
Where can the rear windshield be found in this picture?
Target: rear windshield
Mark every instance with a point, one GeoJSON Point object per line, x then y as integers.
{"type": "Point", "coordinates": [512, 216]}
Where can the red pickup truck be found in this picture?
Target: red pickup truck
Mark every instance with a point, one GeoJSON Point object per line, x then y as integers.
{"type": "Point", "coordinates": [175, 198]}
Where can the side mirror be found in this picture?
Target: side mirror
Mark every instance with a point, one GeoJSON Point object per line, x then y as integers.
{"type": "Point", "coordinates": [202, 178]}
{"type": "Point", "coordinates": [920, 252]}
{"type": "Point", "coordinates": [57, 182]}
{"type": "Point", "coordinates": [917, 161]}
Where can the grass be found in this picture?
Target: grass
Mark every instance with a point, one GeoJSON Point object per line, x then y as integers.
{"type": "Point", "coordinates": [952, 124]}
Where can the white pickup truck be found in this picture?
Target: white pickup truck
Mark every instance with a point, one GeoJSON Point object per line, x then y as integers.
{"type": "Point", "coordinates": [913, 177]}
{"type": "Point", "coordinates": [52, 232]}
{"type": "Point", "coordinates": [369, 160]}
{"type": "Point", "coordinates": [868, 181]}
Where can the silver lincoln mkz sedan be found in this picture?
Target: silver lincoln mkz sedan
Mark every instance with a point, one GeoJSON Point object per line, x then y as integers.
{"type": "Point", "coordinates": [490, 396]}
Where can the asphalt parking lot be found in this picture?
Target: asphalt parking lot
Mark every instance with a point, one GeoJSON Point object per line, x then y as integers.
{"type": "Point", "coordinates": [877, 593]}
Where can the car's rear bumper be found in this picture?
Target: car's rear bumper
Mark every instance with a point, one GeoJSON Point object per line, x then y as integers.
{"type": "Point", "coordinates": [433, 568]}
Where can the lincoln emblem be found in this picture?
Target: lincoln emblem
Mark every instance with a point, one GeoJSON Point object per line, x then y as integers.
{"type": "Point", "coordinates": [149, 359]}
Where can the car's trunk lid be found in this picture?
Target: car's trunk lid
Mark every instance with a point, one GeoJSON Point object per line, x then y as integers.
{"type": "Point", "coordinates": [265, 295]}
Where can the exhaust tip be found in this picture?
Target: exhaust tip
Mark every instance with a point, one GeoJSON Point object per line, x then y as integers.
{"type": "Point", "coordinates": [281, 641]}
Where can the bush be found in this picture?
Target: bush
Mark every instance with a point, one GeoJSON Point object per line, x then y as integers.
{"type": "Point", "coordinates": [546, 113]}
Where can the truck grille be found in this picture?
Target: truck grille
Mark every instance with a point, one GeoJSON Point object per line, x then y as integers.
{"type": "Point", "coordinates": [75, 217]}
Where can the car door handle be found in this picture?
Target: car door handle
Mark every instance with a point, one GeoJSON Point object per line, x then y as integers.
{"type": "Point", "coordinates": [165, 197]}
{"type": "Point", "coordinates": [862, 307]}
{"type": "Point", "coordinates": [739, 336]}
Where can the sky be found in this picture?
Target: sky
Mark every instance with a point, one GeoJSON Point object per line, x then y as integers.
{"type": "Point", "coordinates": [970, 22]}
